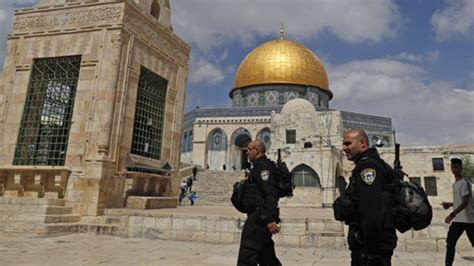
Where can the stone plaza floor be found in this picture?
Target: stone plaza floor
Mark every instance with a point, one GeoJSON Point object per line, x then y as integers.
{"type": "Point", "coordinates": [90, 249]}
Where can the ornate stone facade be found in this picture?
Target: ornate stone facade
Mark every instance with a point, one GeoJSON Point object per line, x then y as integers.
{"type": "Point", "coordinates": [115, 39]}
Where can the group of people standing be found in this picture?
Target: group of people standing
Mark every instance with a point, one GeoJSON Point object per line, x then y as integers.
{"type": "Point", "coordinates": [372, 235]}
{"type": "Point", "coordinates": [186, 188]}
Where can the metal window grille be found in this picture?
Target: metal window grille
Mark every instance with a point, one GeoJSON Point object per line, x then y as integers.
{"type": "Point", "coordinates": [430, 186]}
{"type": "Point", "coordinates": [149, 115]}
{"type": "Point", "coordinates": [46, 120]}
{"type": "Point", "coordinates": [415, 179]}
{"type": "Point", "coordinates": [438, 164]}
{"type": "Point", "coordinates": [290, 136]}
{"type": "Point", "coordinates": [305, 177]}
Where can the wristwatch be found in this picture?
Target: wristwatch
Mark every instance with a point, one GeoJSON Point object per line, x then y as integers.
{"type": "Point", "coordinates": [452, 215]}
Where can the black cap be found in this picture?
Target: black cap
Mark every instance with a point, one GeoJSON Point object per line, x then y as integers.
{"type": "Point", "coordinates": [456, 161]}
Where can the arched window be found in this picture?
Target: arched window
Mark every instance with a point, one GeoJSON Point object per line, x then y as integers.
{"type": "Point", "coordinates": [241, 137]}
{"type": "Point", "coordinates": [155, 9]}
{"type": "Point", "coordinates": [217, 140]}
{"type": "Point", "coordinates": [264, 135]}
{"type": "Point", "coordinates": [305, 176]}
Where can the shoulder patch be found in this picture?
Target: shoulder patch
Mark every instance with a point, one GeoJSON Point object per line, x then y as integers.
{"type": "Point", "coordinates": [265, 174]}
{"type": "Point", "coordinates": [368, 175]}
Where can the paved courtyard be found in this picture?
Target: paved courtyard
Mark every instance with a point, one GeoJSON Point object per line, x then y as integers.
{"type": "Point", "coordinates": [89, 249]}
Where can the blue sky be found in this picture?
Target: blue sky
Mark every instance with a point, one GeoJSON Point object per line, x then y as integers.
{"type": "Point", "coordinates": [411, 60]}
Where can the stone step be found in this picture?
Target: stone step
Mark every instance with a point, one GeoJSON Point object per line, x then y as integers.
{"type": "Point", "coordinates": [214, 187]}
{"type": "Point", "coordinates": [22, 227]}
{"type": "Point", "coordinates": [38, 218]}
{"type": "Point", "coordinates": [226, 230]}
{"type": "Point", "coordinates": [32, 201]}
{"type": "Point", "coordinates": [58, 210]}
{"type": "Point", "coordinates": [61, 228]}
{"type": "Point", "coordinates": [100, 229]}
{"type": "Point", "coordinates": [67, 218]}
{"type": "Point", "coordinates": [112, 220]}
{"type": "Point", "coordinates": [40, 209]}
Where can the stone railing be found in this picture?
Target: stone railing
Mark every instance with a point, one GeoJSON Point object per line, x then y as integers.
{"type": "Point", "coordinates": [148, 191]}
{"type": "Point", "coordinates": [28, 180]}
{"type": "Point", "coordinates": [145, 184]}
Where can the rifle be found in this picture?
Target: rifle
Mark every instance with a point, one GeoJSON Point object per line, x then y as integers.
{"type": "Point", "coordinates": [397, 166]}
{"type": "Point", "coordinates": [286, 183]}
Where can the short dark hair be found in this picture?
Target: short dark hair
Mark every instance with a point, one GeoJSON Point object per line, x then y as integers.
{"type": "Point", "coordinates": [360, 134]}
{"type": "Point", "coordinates": [456, 161]}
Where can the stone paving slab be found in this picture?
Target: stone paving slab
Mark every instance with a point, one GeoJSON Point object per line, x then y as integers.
{"type": "Point", "coordinates": [89, 249]}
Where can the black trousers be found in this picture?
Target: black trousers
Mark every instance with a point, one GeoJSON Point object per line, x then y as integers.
{"type": "Point", "coordinates": [256, 245]}
{"type": "Point", "coordinates": [265, 255]}
{"type": "Point", "coordinates": [455, 231]}
{"type": "Point", "coordinates": [383, 257]}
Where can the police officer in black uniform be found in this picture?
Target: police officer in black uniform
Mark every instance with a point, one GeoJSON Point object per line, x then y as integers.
{"type": "Point", "coordinates": [260, 199]}
{"type": "Point", "coordinates": [372, 236]}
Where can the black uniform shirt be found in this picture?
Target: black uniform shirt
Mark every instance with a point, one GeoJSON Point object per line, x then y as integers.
{"type": "Point", "coordinates": [263, 174]}
{"type": "Point", "coordinates": [368, 175]}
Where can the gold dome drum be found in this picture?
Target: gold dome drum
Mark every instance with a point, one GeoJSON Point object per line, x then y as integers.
{"type": "Point", "coordinates": [281, 62]}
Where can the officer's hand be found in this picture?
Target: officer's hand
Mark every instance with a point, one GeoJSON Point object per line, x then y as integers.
{"type": "Point", "coordinates": [446, 205]}
{"type": "Point", "coordinates": [448, 219]}
{"type": "Point", "coordinates": [274, 228]}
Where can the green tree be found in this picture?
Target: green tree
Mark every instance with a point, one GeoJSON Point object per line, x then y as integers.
{"type": "Point", "coordinates": [468, 168]}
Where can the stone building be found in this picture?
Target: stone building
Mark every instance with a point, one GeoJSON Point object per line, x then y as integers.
{"type": "Point", "coordinates": [315, 166]}
{"type": "Point", "coordinates": [281, 95]}
{"type": "Point", "coordinates": [91, 104]}
{"type": "Point", "coordinates": [271, 75]}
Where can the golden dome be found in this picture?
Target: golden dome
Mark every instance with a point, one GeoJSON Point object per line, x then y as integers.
{"type": "Point", "coordinates": [281, 61]}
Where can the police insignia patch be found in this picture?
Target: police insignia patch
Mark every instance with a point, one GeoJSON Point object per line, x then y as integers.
{"type": "Point", "coordinates": [264, 175]}
{"type": "Point", "coordinates": [368, 175]}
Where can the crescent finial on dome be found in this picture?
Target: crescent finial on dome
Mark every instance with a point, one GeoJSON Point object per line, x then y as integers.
{"type": "Point", "coordinates": [282, 31]}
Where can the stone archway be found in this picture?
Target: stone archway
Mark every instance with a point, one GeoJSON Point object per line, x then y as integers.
{"type": "Point", "coordinates": [305, 176]}
{"type": "Point", "coordinates": [216, 148]}
{"type": "Point", "coordinates": [155, 9]}
{"type": "Point", "coordinates": [265, 136]}
{"type": "Point", "coordinates": [238, 149]}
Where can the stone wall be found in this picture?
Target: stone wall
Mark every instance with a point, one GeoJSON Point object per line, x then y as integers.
{"type": "Point", "coordinates": [417, 162]}
{"type": "Point", "coordinates": [229, 125]}
{"type": "Point", "coordinates": [114, 39]}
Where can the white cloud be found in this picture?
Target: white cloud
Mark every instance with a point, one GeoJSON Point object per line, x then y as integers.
{"type": "Point", "coordinates": [422, 114]}
{"type": "Point", "coordinates": [204, 72]}
{"type": "Point", "coordinates": [416, 58]}
{"type": "Point", "coordinates": [457, 19]}
{"type": "Point", "coordinates": [210, 23]}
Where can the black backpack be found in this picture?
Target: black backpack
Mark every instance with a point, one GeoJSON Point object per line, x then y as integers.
{"type": "Point", "coordinates": [411, 209]}
{"type": "Point", "coordinates": [237, 197]}
{"type": "Point", "coordinates": [285, 179]}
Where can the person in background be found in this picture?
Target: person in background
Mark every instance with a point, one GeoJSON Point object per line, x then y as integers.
{"type": "Point", "coordinates": [462, 216]}
{"type": "Point", "coordinates": [182, 191]}
{"type": "Point", "coordinates": [189, 183]}
{"type": "Point", "coordinates": [195, 171]}
{"type": "Point", "coordinates": [192, 197]}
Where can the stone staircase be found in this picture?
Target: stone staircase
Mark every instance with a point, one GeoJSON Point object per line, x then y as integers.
{"type": "Point", "coordinates": [214, 187]}
{"type": "Point", "coordinates": [36, 216]}
{"type": "Point", "coordinates": [213, 219]}
{"type": "Point", "coordinates": [45, 217]}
